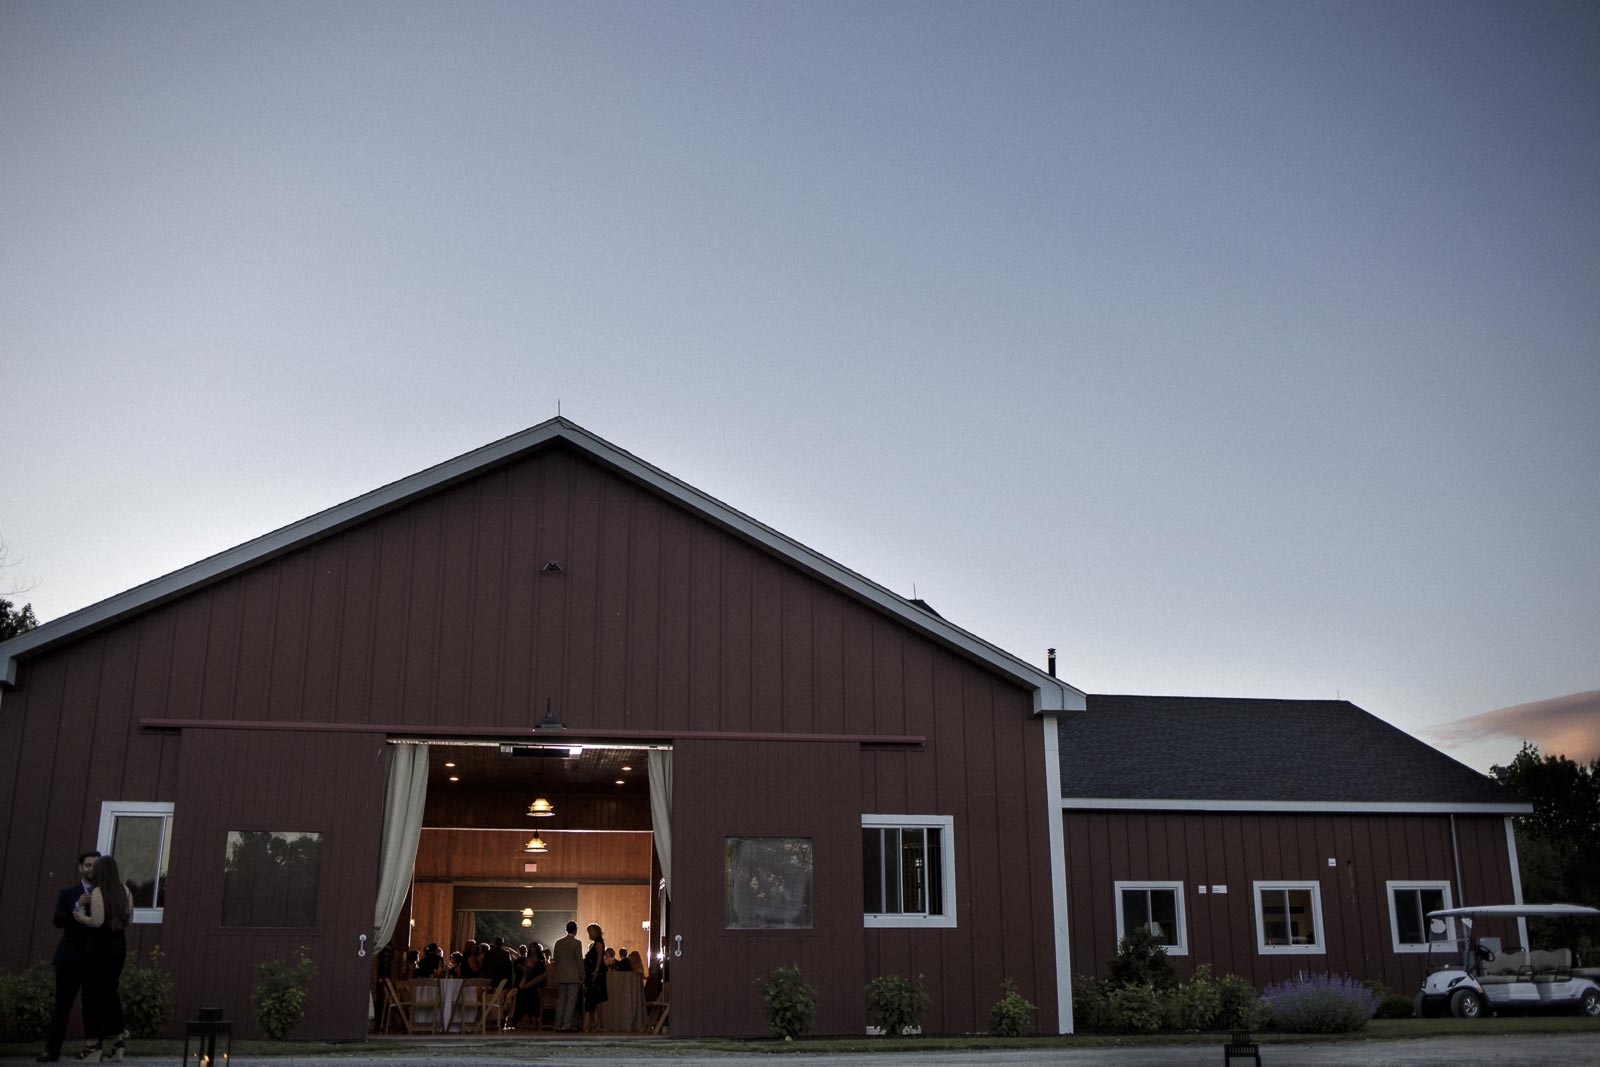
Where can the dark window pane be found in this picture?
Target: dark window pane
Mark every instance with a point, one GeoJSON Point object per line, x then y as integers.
{"type": "Point", "coordinates": [1135, 910]}
{"type": "Point", "coordinates": [1408, 916]}
{"type": "Point", "coordinates": [767, 881]}
{"type": "Point", "coordinates": [1275, 916]}
{"type": "Point", "coordinates": [1164, 916]}
{"type": "Point", "coordinates": [1432, 900]}
{"type": "Point", "coordinates": [912, 872]}
{"type": "Point", "coordinates": [271, 878]}
{"type": "Point", "coordinates": [137, 842]}
{"type": "Point", "coordinates": [935, 870]}
{"type": "Point", "coordinates": [1302, 924]}
{"type": "Point", "coordinates": [891, 873]}
{"type": "Point", "coordinates": [872, 869]}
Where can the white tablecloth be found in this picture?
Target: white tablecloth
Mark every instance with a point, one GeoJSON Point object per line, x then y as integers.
{"type": "Point", "coordinates": [624, 1007]}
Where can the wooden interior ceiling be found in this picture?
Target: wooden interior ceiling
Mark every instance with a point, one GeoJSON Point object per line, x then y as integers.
{"type": "Point", "coordinates": [595, 770]}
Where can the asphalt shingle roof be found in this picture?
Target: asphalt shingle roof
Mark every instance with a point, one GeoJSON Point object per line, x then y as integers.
{"type": "Point", "coordinates": [1211, 748]}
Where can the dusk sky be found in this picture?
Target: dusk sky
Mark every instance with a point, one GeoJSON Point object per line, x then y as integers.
{"type": "Point", "coordinates": [1231, 349]}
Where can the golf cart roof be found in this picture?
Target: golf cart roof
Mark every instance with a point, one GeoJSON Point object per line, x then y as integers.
{"type": "Point", "coordinates": [1515, 911]}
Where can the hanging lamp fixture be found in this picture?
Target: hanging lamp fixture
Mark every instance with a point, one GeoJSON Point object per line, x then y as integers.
{"type": "Point", "coordinates": [541, 809]}
{"type": "Point", "coordinates": [535, 846]}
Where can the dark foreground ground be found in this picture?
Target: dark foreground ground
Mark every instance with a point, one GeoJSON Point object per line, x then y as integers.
{"type": "Point", "coordinates": [1522, 1050]}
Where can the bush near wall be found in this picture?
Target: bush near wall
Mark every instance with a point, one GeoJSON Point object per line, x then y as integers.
{"type": "Point", "coordinates": [1319, 1004]}
{"type": "Point", "coordinates": [27, 999]}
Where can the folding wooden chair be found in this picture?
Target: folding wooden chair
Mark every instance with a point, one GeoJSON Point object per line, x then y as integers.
{"type": "Point", "coordinates": [489, 1002]}
{"type": "Point", "coordinates": [656, 1010]}
{"type": "Point", "coordinates": [467, 1012]}
{"type": "Point", "coordinates": [403, 1003]}
{"type": "Point", "coordinates": [549, 1001]}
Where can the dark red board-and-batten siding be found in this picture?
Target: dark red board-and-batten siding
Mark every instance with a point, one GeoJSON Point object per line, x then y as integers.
{"type": "Point", "coordinates": [437, 615]}
{"type": "Point", "coordinates": [1238, 848]}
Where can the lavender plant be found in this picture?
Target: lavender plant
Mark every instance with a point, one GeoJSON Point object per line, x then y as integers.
{"type": "Point", "coordinates": [1319, 1004]}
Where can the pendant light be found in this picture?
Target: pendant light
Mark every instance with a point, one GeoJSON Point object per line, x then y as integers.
{"type": "Point", "coordinates": [541, 808]}
{"type": "Point", "coordinates": [535, 845]}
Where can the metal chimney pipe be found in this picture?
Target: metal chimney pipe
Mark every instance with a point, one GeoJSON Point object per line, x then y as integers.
{"type": "Point", "coordinates": [1050, 661]}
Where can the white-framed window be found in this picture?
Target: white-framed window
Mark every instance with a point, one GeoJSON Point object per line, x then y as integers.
{"type": "Point", "coordinates": [138, 835]}
{"type": "Point", "coordinates": [1157, 907]}
{"type": "Point", "coordinates": [1289, 918]}
{"type": "Point", "coordinates": [908, 869]}
{"type": "Point", "coordinates": [1409, 904]}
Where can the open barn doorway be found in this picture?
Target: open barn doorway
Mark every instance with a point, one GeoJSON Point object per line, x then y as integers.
{"type": "Point", "coordinates": [517, 840]}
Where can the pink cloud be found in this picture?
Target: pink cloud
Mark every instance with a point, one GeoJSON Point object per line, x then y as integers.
{"type": "Point", "coordinates": [1561, 726]}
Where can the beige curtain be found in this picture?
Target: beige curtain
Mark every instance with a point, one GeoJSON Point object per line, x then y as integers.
{"type": "Point", "coordinates": [404, 792]}
{"type": "Point", "coordinates": [661, 810]}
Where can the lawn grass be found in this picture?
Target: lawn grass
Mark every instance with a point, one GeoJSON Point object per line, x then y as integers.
{"type": "Point", "coordinates": [668, 1048]}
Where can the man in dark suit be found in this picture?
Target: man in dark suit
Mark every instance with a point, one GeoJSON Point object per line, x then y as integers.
{"type": "Point", "coordinates": [71, 954]}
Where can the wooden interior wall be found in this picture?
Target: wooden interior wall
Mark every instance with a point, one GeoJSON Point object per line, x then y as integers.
{"type": "Point", "coordinates": [431, 907]}
{"type": "Point", "coordinates": [620, 910]}
{"type": "Point", "coordinates": [496, 856]}
{"type": "Point", "coordinates": [506, 809]}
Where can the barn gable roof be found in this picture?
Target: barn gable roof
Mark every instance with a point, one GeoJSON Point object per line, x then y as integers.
{"type": "Point", "coordinates": [1049, 693]}
{"type": "Point", "coordinates": [1220, 754]}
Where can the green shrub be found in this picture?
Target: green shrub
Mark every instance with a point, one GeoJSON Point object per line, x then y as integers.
{"type": "Point", "coordinates": [1135, 1009]}
{"type": "Point", "coordinates": [1011, 1015]}
{"type": "Point", "coordinates": [278, 1000]}
{"type": "Point", "coordinates": [146, 992]}
{"type": "Point", "coordinates": [897, 1004]}
{"type": "Point", "coordinates": [1090, 1008]}
{"type": "Point", "coordinates": [1198, 1002]}
{"type": "Point", "coordinates": [1394, 1006]}
{"type": "Point", "coordinates": [27, 999]}
{"type": "Point", "coordinates": [1319, 1004]}
{"type": "Point", "coordinates": [791, 1004]}
{"type": "Point", "coordinates": [1239, 1007]}
{"type": "Point", "coordinates": [1141, 960]}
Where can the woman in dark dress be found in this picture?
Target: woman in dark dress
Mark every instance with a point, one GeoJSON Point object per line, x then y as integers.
{"type": "Point", "coordinates": [531, 978]}
{"type": "Point", "coordinates": [107, 909]}
{"type": "Point", "coordinates": [594, 978]}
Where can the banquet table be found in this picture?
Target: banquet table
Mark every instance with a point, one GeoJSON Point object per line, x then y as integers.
{"type": "Point", "coordinates": [624, 1007]}
{"type": "Point", "coordinates": [442, 1012]}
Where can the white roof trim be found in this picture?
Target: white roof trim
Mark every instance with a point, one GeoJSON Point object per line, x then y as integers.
{"type": "Point", "coordinates": [1049, 693]}
{"type": "Point", "coordinates": [1369, 807]}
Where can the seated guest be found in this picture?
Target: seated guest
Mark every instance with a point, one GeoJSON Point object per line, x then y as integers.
{"type": "Point", "coordinates": [622, 963]}
{"type": "Point", "coordinates": [531, 978]}
{"type": "Point", "coordinates": [497, 964]}
{"type": "Point", "coordinates": [472, 962]}
{"type": "Point", "coordinates": [611, 959]}
{"type": "Point", "coordinates": [453, 969]}
{"type": "Point", "coordinates": [431, 963]}
{"type": "Point", "coordinates": [635, 964]}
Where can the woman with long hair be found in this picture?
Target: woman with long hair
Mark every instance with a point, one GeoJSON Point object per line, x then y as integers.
{"type": "Point", "coordinates": [107, 909]}
{"type": "Point", "coordinates": [594, 978]}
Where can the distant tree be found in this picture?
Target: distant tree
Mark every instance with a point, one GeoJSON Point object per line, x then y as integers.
{"type": "Point", "coordinates": [14, 621]}
{"type": "Point", "coordinates": [1559, 843]}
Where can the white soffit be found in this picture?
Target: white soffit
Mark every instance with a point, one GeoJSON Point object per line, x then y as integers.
{"type": "Point", "coordinates": [1354, 807]}
{"type": "Point", "coordinates": [1049, 693]}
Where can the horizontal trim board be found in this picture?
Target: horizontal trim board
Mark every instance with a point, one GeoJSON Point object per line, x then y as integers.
{"type": "Point", "coordinates": [448, 733]}
{"type": "Point", "coordinates": [1375, 807]}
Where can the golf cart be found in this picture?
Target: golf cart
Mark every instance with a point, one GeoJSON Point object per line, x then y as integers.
{"type": "Point", "coordinates": [1479, 976]}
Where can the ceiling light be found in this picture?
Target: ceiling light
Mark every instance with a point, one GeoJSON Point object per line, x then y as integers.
{"type": "Point", "coordinates": [449, 764]}
{"type": "Point", "coordinates": [454, 778]}
{"type": "Point", "coordinates": [527, 913]}
{"type": "Point", "coordinates": [541, 808]}
{"type": "Point", "coordinates": [527, 922]}
{"type": "Point", "coordinates": [621, 781]}
{"type": "Point", "coordinates": [535, 845]}
{"type": "Point", "coordinates": [626, 767]}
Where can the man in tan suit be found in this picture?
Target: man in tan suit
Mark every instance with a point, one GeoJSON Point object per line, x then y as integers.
{"type": "Point", "coordinates": [568, 966]}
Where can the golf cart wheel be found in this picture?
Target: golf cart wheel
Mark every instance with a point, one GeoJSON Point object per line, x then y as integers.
{"type": "Point", "coordinates": [1466, 1004]}
{"type": "Point", "coordinates": [1591, 1002]}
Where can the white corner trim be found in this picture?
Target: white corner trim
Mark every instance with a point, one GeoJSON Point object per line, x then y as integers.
{"type": "Point", "coordinates": [1049, 693]}
{"type": "Point", "coordinates": [1516, 879]}
{"type": "Point", "coordinates": [1058, 876]}
{"type": "Point", "coordinates": [1373, 807]}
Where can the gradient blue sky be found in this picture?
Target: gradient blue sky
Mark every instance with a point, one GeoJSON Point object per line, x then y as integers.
{"type": "Point", "coordinates": [1232, 349]}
